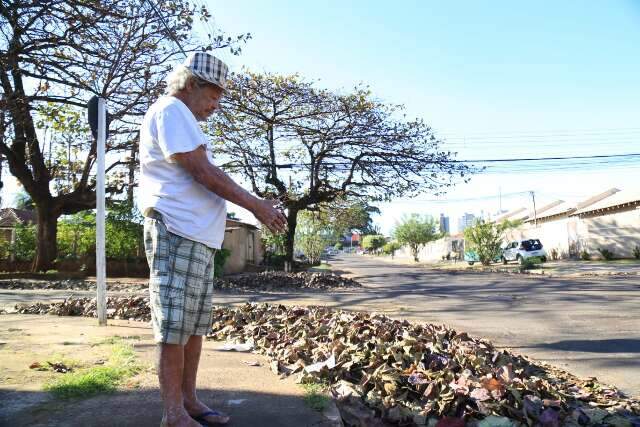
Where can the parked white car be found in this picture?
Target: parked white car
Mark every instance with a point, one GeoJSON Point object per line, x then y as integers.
{"type": "Point", "coordinates": [520, 250]}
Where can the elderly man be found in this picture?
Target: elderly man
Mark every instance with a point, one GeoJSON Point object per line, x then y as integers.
{"type": "Point", "coordinates": [182, 196]}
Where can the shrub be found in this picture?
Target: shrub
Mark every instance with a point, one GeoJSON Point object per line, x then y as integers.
{"type": "Point", "coordinates": [585, 256]}
{"type": "Point", "coordinates": [391, 248]}
{"type": "Point", "coordinates": [606, 254]}
{"type": "Point", "coordinates": [415, 231]}
{"type": "Point", "coordinates": [554, 254]}
{"type": "Point", "coordinates": [636, 252]}
{"type": "Point", "coordinates": [25, 245]}
{"type": "Point", "coordinates": [373, 242]}
{"type": "Point", "coordinates": [485, 239]}
{"type": "Point", "coordinates": [530, 263]}
{"type": "Point", "coordinates": [219, 260]}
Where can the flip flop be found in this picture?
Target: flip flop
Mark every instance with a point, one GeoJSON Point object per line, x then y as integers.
{"type": "Point", "coordinates": [202, 418]}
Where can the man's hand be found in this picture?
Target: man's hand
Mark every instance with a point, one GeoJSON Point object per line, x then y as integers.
{"type": "Point", "coordinates": [270, 216]}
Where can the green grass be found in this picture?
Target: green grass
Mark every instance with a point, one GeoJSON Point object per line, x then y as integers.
{"type": "Point", "coordinates": [87, 382]}
{"type": "Point", "coordinates": [116, 339]}
{"type": "Point", "coordinates": [315, 396]}
{"type": "Point", "coordinates": [322, 266]}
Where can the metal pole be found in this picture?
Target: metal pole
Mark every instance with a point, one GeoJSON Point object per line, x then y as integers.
{"type": "Point", "coordinates": [535, 213]}
{"type": "Point", "coordinates": [100, 216]}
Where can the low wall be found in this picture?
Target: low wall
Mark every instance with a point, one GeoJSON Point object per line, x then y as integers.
{"type": "Point", "coordinates": [87, 267]}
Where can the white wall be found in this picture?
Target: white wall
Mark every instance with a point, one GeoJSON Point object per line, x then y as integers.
{"type": "Point", "coordinates": [618, 232]}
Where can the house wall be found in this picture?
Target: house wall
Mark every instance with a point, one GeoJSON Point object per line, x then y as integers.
{"type": "Point", "coordinates": [6, 234]}
{"type": "Point", "coordinates": [552, 234]}
{"type": "Point", "coordinates": [246, 249]}
{"type": "Point", "coordinates": [432, 251]}
{"type": "Point", "coordinates": [618, 232]}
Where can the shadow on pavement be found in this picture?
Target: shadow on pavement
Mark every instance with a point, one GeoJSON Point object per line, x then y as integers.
{"type": "Point", "coordinates": [595, 346]}
{"type": "Point", "coordinates": [143, 408]}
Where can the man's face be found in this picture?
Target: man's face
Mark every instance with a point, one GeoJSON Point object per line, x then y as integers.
{"type": "Point", "coordinates": [204, 101]}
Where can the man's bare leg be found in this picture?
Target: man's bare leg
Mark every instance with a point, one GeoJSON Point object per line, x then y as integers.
{"type": "Point", "coordinates": [170, 373]}
{"type": "Point", "coordinates": [192, 351]}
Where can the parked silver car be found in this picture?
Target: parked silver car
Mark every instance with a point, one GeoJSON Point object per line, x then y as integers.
{"type": "Point", "coordinates": [520, 250]}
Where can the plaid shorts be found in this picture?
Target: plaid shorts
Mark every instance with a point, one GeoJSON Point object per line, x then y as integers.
{"type": "Point", "coordinates": [180, 283]}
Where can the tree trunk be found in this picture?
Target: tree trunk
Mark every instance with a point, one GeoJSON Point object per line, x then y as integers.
{"type": "Point", "coordinates": [292, 221]}
{"type": "Point", "coordinates": [46, 241]}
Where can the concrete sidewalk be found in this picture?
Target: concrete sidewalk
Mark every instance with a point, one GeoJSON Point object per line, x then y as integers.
{"type": "Point", "coordinates": [563, 268]}
{"type": "Point", "coordinates": [251, 395]}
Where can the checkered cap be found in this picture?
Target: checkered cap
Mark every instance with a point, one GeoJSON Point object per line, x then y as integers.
{"type": "Point", "coordinates": [208, 67]}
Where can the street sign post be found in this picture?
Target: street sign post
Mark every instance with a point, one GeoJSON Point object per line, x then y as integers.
{"type": "Point", "coordinates": [97, 112]}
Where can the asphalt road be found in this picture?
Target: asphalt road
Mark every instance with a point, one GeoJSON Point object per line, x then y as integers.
{"type": "Point", "coordinates": [591, 326]}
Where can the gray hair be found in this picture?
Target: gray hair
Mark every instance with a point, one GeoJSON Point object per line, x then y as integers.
{"type": "Point", "coordinates": [179, 78]}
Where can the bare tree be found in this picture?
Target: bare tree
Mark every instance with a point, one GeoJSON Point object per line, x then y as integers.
{"type": "Point", "coordinates": [309, 146]}
{"type": "Point", "coordinates": [55, 54]}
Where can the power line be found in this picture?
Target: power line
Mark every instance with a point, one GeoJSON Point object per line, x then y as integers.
{"type": "Point", "coordinates": [334, 165]}
{"type": "Point", "coordinates": [536, 134]}
{"type": "Point", "coordinates": [533, 159]}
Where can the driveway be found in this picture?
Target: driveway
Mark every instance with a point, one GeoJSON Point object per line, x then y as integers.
{"type": "Point", "coordinates": [588, 326]}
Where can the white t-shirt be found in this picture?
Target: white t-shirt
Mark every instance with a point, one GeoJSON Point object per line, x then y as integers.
{"type": "Point", "coordinates": [188, 209]}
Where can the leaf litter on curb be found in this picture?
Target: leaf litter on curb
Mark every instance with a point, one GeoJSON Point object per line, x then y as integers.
{"type": "Point", "coordinates": [268, 281]}
{"type": "Point", "coordinates": [390, 372]}
{"type": "Point", "coordinates": [413, 374]}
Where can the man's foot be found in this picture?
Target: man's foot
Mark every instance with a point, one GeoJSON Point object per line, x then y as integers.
{"type": "Point", "coordinates": [205, 415]}
{"type": "Point", "coordinates": [181, 419]}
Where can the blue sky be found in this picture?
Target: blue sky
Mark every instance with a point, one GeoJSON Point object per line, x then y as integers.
{"type": "Point", "coordinates": [495, 79]}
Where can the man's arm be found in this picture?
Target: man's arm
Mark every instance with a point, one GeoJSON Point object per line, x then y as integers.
{"type": "Point", "coordinates": [215, 180]}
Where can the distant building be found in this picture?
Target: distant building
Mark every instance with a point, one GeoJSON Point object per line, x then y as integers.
{"type": "Point", "coordinates": [465, 221]}
{"type": "Point", "coordinates": [444, 224]}
{"type": "Point", "coordinates": [10, 218]}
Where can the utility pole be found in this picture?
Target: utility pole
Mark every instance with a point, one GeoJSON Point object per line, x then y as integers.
{"type": "Point", "coordinates": [535, 213]}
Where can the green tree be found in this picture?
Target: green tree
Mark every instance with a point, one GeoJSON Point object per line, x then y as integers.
{"type": "Point", "coordinates": [25, 243]}
{"type": "Point", "coordinates": [54, 55]}
{"type": "Point", "coordinates": [274, 244]}
{"type": "Point", "coordinates": [391, 248]}
{"type": "Point", "coordinates": [123, 232]}
{"type": "Point", "coordinates": [310, 147]}
{"type": "Point", "coordinates": [416, 231]}
{"type": "Point", "coordinates": [486, 238]}
{"type": "Point", "coordinates": [77, 235]}
{"type": "Point", "coordinates": [346, 216]}
{"type": "Point", "coordinates": [373, 242]}
{"type": "Point", "coordinates": [311, 236]}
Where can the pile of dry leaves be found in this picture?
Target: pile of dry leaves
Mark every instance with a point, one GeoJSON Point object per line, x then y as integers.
{"type": "Point", "coordinates": [419, 374]}
{"type": "Point", "coordinates": [133, 308]}
{"type": "Point", "coordinates": [281, 281]}
{"type": "Point", "coordinates": [265, 281]}
{"type": "Point", "coordinates": [69, 284]}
